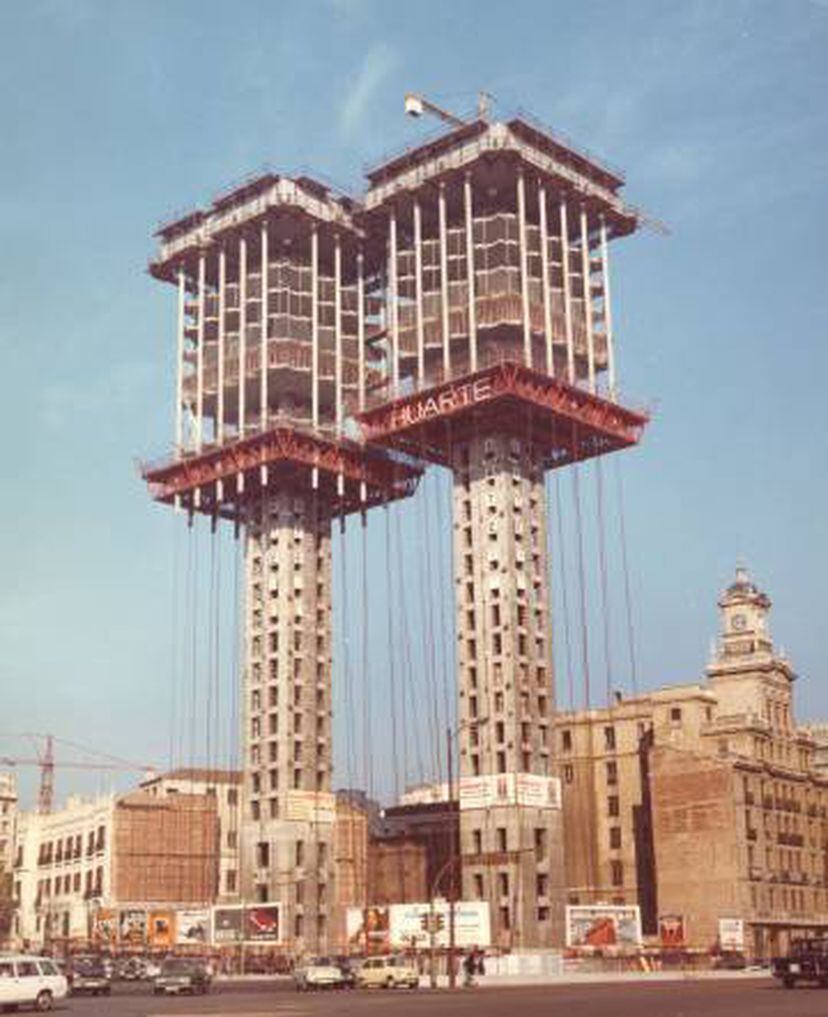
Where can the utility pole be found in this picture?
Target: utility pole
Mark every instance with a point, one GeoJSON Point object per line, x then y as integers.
{"type": "Point", "coordinates": [452, 974]}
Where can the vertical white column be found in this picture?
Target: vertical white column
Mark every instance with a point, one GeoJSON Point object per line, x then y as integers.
{"type": "Point", "coordinates": [585, 275]}
{"type": "Point", "coordinates": [524, 269]}
{"type": "Point", "coordinates": [338, 333]}
{"type": "Point", "coordinates": [570, 343]}
{"type": "Point", "coordinates": [202, 264]}
{"type": "Point", "coordinates": [392, 301]}
{"type": "Point", "coordinates": [547, 302]}
{"type": "Point", "coordinates": [611, 381]}
{"type": "Point", "coordinates": [361, 327]}
{"type": "Point", "coordinates": [467, 203]}
{"type": "Point", "coordinates": [314, 327]}
{"type": "Point", "coordinates": [418, 272]}
{"type": "Point", "coordinates": [242, 332]}
{"type": "Point", "coordinates": [222, 310]}
{"type": "Point", "coordinates": [179, 364]}
{"type": "Point", "coordinates": [444, 287]}
{"type": "Point", "coordinates": [263, 393]}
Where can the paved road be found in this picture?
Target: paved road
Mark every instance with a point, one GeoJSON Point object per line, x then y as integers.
{"type": "Point", "coordinates": [757, 998]}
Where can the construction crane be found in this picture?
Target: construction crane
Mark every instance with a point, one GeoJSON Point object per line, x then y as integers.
{"type": "Point", "coordinates": [416, 105]}
{"type": "Point", "coordinates": [46, 761]}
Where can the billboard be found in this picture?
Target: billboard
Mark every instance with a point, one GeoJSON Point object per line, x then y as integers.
{"type": "Point", "coordinates": [192, 926]}
{"type": "Point", "coordinates": [378, 929]}
{"type": "Point", "coordinates": [528, 789]}
{"type": "Point", "coordinates": [731, 933]}
{"type": "Point", "coordinates": [368, 928]}
{"type": "Point", "coordinates": [105, 927]}
{"type": "Point", "coordinates": [672, 930]}
{"type": "Point", "coordinates": [161, 928]}
{"type": "Point", "coordinates": [310, 806]}
{"type": "Point", "coordinates": [261, 923]}
{"type": "Point", "coordinates": [598, 925]}
{"type": "Point", "coordinates": [228, 924]}
{"type": "Point", "coordinates": [132, 927]}
{"type": "Point", "coordinates": [410, 925]}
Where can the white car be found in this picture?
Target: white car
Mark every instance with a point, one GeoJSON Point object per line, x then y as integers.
{"type": "Point", "coordinates": [30, 981]}
{"type": "Point", "coordinates": [387, 973]}
{"type": "Point", "coordinates": [318, 973]}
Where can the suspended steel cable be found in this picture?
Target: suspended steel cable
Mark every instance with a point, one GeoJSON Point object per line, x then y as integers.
{"type": "Point", "coordinates": [441, 598]}
{"type": "Point", "coordinates": [406, 670]}
{"type": "Point", "coordinates": [576, 495]}
{"type": "Point", "coordinates": [350, 718]}
{"type": "Point", "coordinates": [174, 640]}
{"type": "Point", "coordinates": [625, 566]}
{"type": "Point", "coordinates": [430, 655]}
{"type": "Point", "coordinates": [408, 676]}
{"type": "Point", "coordinates": [367, 719]}
{"type": "Point", "coordinates": [602, 563]}
{"type": "Point", "coordinates": [390, 635]}
{"type": "Point", "coordinates": [563, 585]}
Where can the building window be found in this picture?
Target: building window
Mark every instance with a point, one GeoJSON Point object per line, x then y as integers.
{"type": "Point", "coordinates": [477, 842]}
{"type": "Point", "coordinates": [501, 762]}
{"type": "Point", "coordinates": [612, 772]}
{"type": "Point", "coordinates": [609, 739]}
{"type": "Point", "coordinates": [543, 914]}
{"type": "Point", "coordinates": [540, 842]}
{"type": "Point", "coordinates": [566, 741]}
{"type": "Point", "coordinates": [617, 872]}
{"type": "Point", "coordinates": [675, 715]}
{"type": "Point", "coordinates": [612, 806]}
{"type": "Point", "coordinates": [230, 881]}
{"type": "Point", "coordinates": [502, 840]}
{"type": "Point", "coordinates": [542, 884]}
{"type": "Point", "coordinates": [568, 773]}
{"type": "Point", "coordinates": [478, 885]}
{"type": "Point", "coordinates": [615, 837]}
{"type": "Point", "coordinates": [505, 918]}
{"type": "Point", "coordinates": [503, 884]}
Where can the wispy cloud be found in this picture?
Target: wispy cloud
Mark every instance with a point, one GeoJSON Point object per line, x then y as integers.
{"type": "Point", "coordinates": [376, 65]}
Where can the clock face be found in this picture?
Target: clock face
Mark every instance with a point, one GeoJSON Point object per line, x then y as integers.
{"type": "Point", "coordinates": [739, 622]}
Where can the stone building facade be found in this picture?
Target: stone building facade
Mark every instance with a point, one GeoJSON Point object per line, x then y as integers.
{"type": "Point", "coordinates": [131, 850]}
{"type": "Point", "coordinates": [703, 800]}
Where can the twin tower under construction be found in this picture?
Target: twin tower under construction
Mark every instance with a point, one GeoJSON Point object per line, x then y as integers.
{"type": "Point", "coordinates": [329, 349]}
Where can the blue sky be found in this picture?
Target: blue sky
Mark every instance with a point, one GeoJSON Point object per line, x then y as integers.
{"type": "Point", "coordinates": [115, 114]}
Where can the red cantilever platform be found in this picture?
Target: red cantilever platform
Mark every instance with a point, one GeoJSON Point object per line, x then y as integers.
{"type": "Point", "coordinates": [350, 477]}
{"type": "Point", "coordinates": [565, 422]}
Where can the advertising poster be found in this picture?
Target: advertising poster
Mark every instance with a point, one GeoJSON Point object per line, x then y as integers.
{"type": "Point", "coordinates": [161, 928]}
{"type": "Point", "coordinates": [368, 928]}
{"type": "Point", "coordinates": [672, 931]}
{"type": "Point", "coordinates": [261, 923]}
{"type": "Point", "coordinates": [105, 927]}
{"type": "Point", "coordinates": [410, 925]}
{"type": "Point", "coordinates": [731, 933]}
{"type": "Point", "coordinates": [528, 789]}
{"type": "Point", "coordinates": [488, 791]}
{"type": "Point", "coordinates": [228, 925]}
{"type": "Point", "coordinates": [538, 792]}
{"type": "Point", "coordinates": [133, 927]}
{"type": "Point", "coordinates": [597, 925]}
{"type": "Point", "coordinates": [192, 926]}
{"type": "Point", "coordinates": [310, 806]}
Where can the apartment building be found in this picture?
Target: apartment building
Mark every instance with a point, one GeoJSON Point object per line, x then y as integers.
{"type": "Point", "coordinates": [703, 800]}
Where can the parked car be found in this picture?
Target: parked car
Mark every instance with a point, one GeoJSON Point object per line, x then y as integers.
{"type": "Point", "coordinates": [349, 967]}
{"type": "Point", "coordinates": [88, 974]}
{"type": "Point", "coordinates": [318, 973]}
{"type": "Point", "coordinates": [806, 961]}
{"type": "Point", "coordinates": [387, 973]}
{"type": "Point", "coordinates": [30, 981]}
{"type": "Point", "coordinates": [181, 974]}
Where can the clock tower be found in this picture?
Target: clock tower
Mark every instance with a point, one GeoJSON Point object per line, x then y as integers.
{"type": "Point", "coordinates": [744, 610]}
{"type": "Point", "coordinates": [747, 674]}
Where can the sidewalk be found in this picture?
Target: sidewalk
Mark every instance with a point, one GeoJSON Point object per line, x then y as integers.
{"type": "Point", "coordinates": [598, 977]}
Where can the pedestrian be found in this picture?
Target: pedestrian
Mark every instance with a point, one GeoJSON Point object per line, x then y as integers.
{"type": "Point", "coordinates": [469, 968]}
{"type": "Point", "coordinates": [480, 967]}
